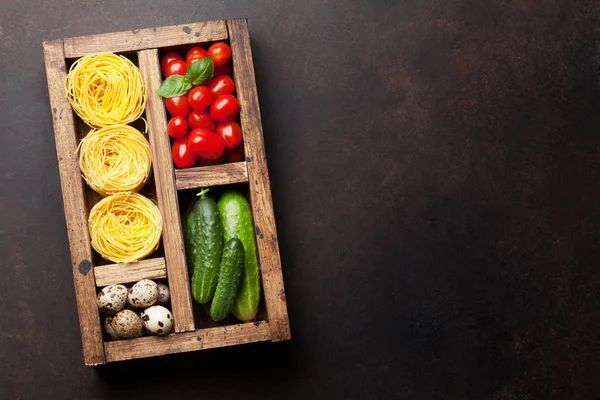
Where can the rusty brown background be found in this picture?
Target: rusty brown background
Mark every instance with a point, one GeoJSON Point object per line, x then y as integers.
{"type": "Point", "coordinates": [435, 172]}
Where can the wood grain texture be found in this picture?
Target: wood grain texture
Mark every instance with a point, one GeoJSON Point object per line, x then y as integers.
{"type": "Point", "coordinates": [151, 346]}
{"type": "Point", "coordinates": [112, 274]}
{"type": "Point", "coordinates": [258, 177]}
{"type": "Point", "coordinates": [139, 39]}
{"type": "Point", "coordinates": [214, 175]}
{"type": "Point", "coordinates": [166, 194]}
{"type": "Point", "coordinates": [74, 204]}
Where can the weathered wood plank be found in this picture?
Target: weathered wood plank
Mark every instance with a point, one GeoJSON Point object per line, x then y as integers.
{"type": "Point", "coordinates": [112, 274]}
{"type": "Point", "coordinates": [75, 205]}
{"type": "Point", "coordinates": [214, 175]}
{"type": "Point", "coordinates": [200, 339]}
{"type": "Point", "coordinates": [139, 39]}
{"type": "Point", "coordinates": [258, 177]}
{"type": "Point", "coordinates": [166, 194]}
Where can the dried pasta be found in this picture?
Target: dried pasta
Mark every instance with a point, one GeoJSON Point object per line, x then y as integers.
{"type": "Point", "coordinates": [115, 159]}
{"type": "Point", "coordinates": [105, 89]}
{"type": "Point", "coordinates": [125, 227]}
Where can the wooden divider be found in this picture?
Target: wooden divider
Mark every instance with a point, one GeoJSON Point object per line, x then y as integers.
{"type": "Point", "coordinates": [258, 178]}
{"type": "Point", "coordinates": [113, 274]}
{"type": "Point", "coordinates": [214, 175]}
{"type": "Point", "coordinates": [139, 39]}
{"type": "Point", "coordinates": [75, 205]}
{"type": "Point", "coordinates": [164, 178]}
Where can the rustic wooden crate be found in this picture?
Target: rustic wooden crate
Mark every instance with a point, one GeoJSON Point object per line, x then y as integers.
{"type": "Point", "coordinates": [90, 273]}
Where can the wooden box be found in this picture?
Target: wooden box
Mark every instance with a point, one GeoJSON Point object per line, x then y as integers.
{"type": "Point", "coordinates": [168, 188]}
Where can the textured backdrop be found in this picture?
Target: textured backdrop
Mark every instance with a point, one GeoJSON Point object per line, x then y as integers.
{"type": "Point", "coordinates": [435, 170]}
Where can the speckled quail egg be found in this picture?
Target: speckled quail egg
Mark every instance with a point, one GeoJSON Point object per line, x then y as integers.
{"type": "Point", "coordinates": [112, 298]}
{"type": "Point", "coordinates": [157, 320]}
{"type": "Point", "coordinates": [163, 294]}
{"type": "Point", "coordinates": [139, 313]}
{"type": "Point", "coordinates": [109, 328]}
{"type": "Point", "coordinates": [124, 325]}
{"type": "Point", "coordinates": [143, 294]}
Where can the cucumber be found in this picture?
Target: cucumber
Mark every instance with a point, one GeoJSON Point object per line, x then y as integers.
{"type": "Point", "coordinates": [229, 279]}
{"type": "Point", "coordinates": [236, 217]}
{"type": "Point", "coordinates": [204, 247]}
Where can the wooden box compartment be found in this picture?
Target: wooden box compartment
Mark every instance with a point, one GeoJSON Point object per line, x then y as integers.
{"type": "Point", "coordinates": [171, 189]}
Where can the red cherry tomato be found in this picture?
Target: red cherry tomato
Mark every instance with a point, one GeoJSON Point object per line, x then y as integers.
{"type": "Point", "coordinates": [224, 108]}
{"type": "Point", "coordinates": [193, 58]}
{"type": "Point", "coordinates": [167, 58]}
{"type": "Point", "coordinates": [183, 157]}
{"type": "Point", "coordinates": [220, 53]}
{"type": "Point", "coordinates": [231, 133]}
{"type": "Point", "coordinates": [201, 119]}
{"type": "Point", "coordinates": [206, 144]}
{"type": "Point", "coordinates": [178, 106]}
{"type": "Point", "coordinates": [175, 67]}
{"type": "Point", "coordinates": [220, 85]}
{"type": "Point", "coordinates": [196, 50]}
{"type": "Point", "coordinates": [177, 127]}
{"type": "Point", "coordinates": [234, 155]}
{"type": "Point", "coordinates": [226, 69]}
{"type": "Point", "coordinates": [200, 97]}
{"type": "Point", "coordinates": [208, 161]}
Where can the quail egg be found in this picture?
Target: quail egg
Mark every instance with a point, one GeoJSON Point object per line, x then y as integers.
{"type": "Point", "coordinates": [124, 325]}
{"type": "Point", "coordinates": [112, 298]}
{"type": "Point", "coordinates": [157, 320]}
{"type": "Point", "coordinates": [163, 294]}
{"type": "Point", "coordinates": [109, 328]}
{"type": "Point", "coordinates": [143, 294]}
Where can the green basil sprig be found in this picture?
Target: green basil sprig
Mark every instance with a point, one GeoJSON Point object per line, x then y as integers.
{"type": "Point", "coordinates": [173, 86]}
{"type": "Point", "coordinates": [198, 73]}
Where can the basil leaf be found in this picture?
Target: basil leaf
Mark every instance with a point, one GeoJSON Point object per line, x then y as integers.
{"type": "Point", "coordinates": [200, 72]}
{"type": "Point", "coordinates": [173, 86]}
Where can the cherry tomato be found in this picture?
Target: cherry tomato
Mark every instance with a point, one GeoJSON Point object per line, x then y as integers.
{"type": "Point", "coordinates": [194, 57]}
{"type": "Point", "coordinates": [198, 50]}
{"type": "Point", "coordinates": [220, 85]}
{"type": "Point", "coordinates": [177, 127]}
{"type": "Point", "coordinates": [224, 108]}
{"type": "Point", "coordinates": [231, 133]}
{"type": "Point", "coordinates": [207, 161]}
{"type": "Point", "coordinates": [226, 69]}
{"type": "Point", "coordinates": [201, 119]}
{"type": "Point", "coordinates": [167, 58]}
{"type": "Point", "coordinates": [220, 53]}
{"type": "Point", "coordinates": [183, 157]}
{"type": "Point", "coordinates": [175, 67]}
{"type": "Point", "coordinates": [206, 144]}
{"type": "Point", "coordinates": [178, 106]}
{"type": "Point", "coordinates": [234, 155]}
{"type": "Point", "coordinates": [200, 97]}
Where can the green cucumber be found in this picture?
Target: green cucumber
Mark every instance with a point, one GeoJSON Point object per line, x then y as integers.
{"type": "Point", "coordinates": [229, 279]}
{"type": "Point", "coordinates": [236, 217]}
{"type": "Point", "coordinates": [204, 247]}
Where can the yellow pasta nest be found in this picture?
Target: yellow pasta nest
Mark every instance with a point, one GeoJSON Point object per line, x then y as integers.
{"type": "Point", "coordinates": [106, 89]}
{"type": "Point", "coordinates": [115, 159]}
{"type": "Point", "coordinates": [125, 227]}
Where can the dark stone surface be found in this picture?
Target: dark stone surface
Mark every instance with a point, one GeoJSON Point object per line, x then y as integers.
{"type": "Point", "coordinates": [435, 171]}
